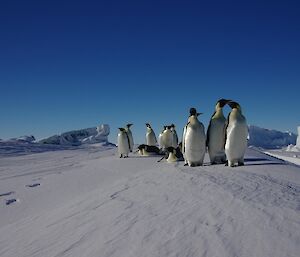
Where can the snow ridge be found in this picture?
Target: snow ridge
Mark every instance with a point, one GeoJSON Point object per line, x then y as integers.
{"type": "Point", "coordinates": [270, 139]}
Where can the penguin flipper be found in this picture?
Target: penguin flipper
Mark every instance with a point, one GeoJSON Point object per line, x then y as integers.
{"type": "Point", "coordinates": [207, 134]}
{"type": "Point", "coordinates": [129, 146]}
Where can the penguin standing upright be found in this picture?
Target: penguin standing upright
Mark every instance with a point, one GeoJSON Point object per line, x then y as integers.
{"type": "Point", "coordinates": [236, 135]}
{"type": "Point", "coordinates": [123, 143]}
{"type": "Point", "coordinates": [194, 140]}
{"type": "Point", "coordinates": [175, 137]}
{"type": "Point", "coordinates": [215, 134]}
{"type": "Point", "coordinates": [160, 142]}
{"type": "Point", "coordinates": [193, 111]}
{"type": "Point", "coordinates": [150, 136]}
{"type": "Point", "coordinates": [167, 138]}
{"type": "Point", "coordinates": [129, 133]}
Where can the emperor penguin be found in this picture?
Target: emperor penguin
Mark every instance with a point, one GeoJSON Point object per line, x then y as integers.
{"type": "Point", "coordinates": [150, 136]}
{"type": "Point", "coordinates": [175, 137]}
{"type": "Point", "coordinates": [236, 135]}
{"type": "Point", "coordinates": [148, 150]}
{"type": "Point", "coordinates": [172, 155]}
{"type": "Point", "coordinates": [215, 134]}
{"type": "Point", "coordinates": [123, 143]}
{"type": "Point", "coordinates": [194, 140]}
{"type": "Point", "coordinates": [167, 138]}
{"type": "Point", "coordinates": [160, 143]}
{"type": "Point", "coordinates": [129, 133]}
{"type": "Point", "coordinates": [193, 111]}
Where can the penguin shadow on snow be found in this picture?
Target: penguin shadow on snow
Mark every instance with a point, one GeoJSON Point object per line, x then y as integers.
{"type": "Point", "coordinates": [10, 201]}
{"type": "Point", "coordinates": [33, 185]}
{"type": "Point", "coordinates": [262, 161]}
{"type": "Point", "coordinates": [7, 194]}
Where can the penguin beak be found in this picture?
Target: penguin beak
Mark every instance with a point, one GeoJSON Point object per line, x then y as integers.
{"type": "Point", "coordinates": [223, 102]}
{"type": "Point", "coordinates": [199, 113]}
{"type": "Point", "coordinates": [227, 102]}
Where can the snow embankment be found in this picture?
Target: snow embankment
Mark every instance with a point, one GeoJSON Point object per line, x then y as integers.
{"type": "Point", "coordinates": [83, 136]}
{"type": "Point", "coordinates": [68, 140]}
{"type": "Point", "coordinates": [291, 153]}
{"type": "Point", "coordinates": [88, 202]}
{"type": "Point", "coordinates": [270, 139]}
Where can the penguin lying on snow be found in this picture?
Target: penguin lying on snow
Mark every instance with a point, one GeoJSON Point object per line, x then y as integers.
{"type": "Point", "coordinates": [147, 150]}
{"type": "Point", "coordinates": [172, 154]}
{"type": "Point", "coordinates": [236, 136]}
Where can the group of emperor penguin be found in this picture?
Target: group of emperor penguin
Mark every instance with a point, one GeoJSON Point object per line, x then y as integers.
{"type": "Point", "coordinates": [225, 139]}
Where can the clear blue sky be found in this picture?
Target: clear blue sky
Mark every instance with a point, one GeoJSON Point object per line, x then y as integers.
{"type": "Point", "coordinates": [75, 64]}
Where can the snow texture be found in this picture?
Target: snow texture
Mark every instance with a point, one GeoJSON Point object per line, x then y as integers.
{"type": "Point", "coordinates": [270, 139]}
{"type": "Point", "coordinates": [88, 202]}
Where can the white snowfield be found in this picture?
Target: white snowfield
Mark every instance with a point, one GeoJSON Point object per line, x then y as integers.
{"type": "Point", "coordinates": [90, 203]}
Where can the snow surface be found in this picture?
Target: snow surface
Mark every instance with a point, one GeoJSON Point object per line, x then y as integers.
{"type": "Point", "coordinates": [290, 154]}
{"type": "Point", "coordinates": [88, 202]}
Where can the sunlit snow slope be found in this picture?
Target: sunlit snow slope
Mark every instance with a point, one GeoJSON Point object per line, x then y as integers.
{"type": "Point", "coordinates": [88, 202]}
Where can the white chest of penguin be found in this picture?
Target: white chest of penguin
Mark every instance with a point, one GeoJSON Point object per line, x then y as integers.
{"type": "Point", "coordinates": [195, 136]}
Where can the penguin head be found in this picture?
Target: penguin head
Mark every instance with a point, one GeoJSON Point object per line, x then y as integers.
{"type": "Point", "coordinates": [193, 111]}
{"type": "Point", "coordinates": [222, 102]}
{"type": "Point", "coordinates": [122, 129]}
{"type": "Point", "coordinates": [172, 125]}
{"type": "Point", "coordinates": [234, 105]}
{"type": "Point", "coordinates": [148, 125]}
{"type": "Point", "coordinates": [129, 125]}
{"type": "Point", "coordinates": [171, 149]}
{"type": "Point", "coordinates": [164, 128]}
{"type": "Point", "coordinates": [141, 147]}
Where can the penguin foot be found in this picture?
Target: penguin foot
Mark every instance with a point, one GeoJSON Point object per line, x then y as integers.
{"type": "Point", "coordinates": [192, 165]}
{"type": "Point", "coordinates": [241, 164]}
{"type": "Point", "coordinates": [185, 164]}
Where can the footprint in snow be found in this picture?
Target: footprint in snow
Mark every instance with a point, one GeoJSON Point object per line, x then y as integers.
{"type": "Point", "coordinates": [6, 194]}
{"type": "Point", "coordinates": [33, 185]}
{"type": "Point", "coordinates": [10, 201]}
